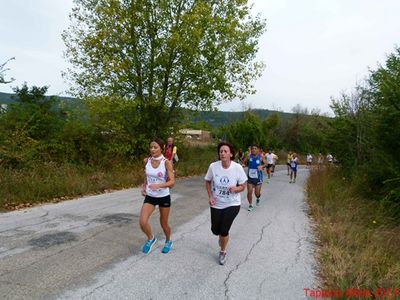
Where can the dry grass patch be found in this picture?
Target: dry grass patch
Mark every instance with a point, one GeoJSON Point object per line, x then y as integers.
{"type": "Point", "coordinates": [51, 182]}
{"type": "Point", "coordinates": [358, 246]}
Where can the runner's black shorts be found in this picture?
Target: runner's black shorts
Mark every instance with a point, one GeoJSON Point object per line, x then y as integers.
{"type": "Point", "coordinates": [222, 219]}
{"type": "Point", "coordinates": [269, 166]}
{"type": "Point", "coordinates": [161, 202]}
{"type": "Point", "coordinates": [254, 181]}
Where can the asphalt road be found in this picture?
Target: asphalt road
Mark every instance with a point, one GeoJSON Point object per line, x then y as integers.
{"type": "Point", "coordinates": [89, 248]}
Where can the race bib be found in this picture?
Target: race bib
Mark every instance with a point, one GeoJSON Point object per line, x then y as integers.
{"type": "Point", "coordinates": [222, 192]}
{"type": "Point", "coordinates": [253, 173]}
{"type": "Point", "coordinates": [293, 164]}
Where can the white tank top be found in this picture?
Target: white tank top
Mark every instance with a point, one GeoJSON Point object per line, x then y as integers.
{"type": "Point", "coordinates": [156, 175]}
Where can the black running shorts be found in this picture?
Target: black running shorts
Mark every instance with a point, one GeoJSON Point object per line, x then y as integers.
{"type": "Point", "coordinates": [162, 201]}
{"type": "Point", "coordinates": [222, 219]}
{"type": "Point", "coordinates": [254, 181]}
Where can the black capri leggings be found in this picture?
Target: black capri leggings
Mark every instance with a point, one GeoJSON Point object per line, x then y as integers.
{"type": "Point", "coordinates": [222, 219]}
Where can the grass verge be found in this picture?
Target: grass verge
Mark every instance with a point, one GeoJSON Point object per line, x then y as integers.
{"type": "Point", "coordinates": [51, 182]}
{"type": "Point", "coordinates": [357, 242]}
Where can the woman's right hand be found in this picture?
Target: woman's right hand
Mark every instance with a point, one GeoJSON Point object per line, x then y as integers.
{"type": "Point", "coordinates": [211, 201]}
{"type": "Point", "coordinates": [143, 191]}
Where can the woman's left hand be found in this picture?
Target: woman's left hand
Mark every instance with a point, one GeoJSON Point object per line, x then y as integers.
{"type": "Point", "coordinates": [154, 186]}
{"type": "Point", "coordinates": [233, 189]}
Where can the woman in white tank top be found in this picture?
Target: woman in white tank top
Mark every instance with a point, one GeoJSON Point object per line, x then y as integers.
{"type": "Point", "coordinates": [159, 178]}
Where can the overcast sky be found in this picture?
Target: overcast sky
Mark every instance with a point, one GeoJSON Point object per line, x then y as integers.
{"type": "Point", "coordinates": [313, 49]}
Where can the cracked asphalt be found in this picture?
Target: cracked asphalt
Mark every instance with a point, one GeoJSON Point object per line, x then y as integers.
{"type": "Point", "coordinates": [89, 248]}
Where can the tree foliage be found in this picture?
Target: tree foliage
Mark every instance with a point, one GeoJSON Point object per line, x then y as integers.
{"type": "Point", "coordinates": [366, 131]}
{"type": "Point", "coordinates": [30, 127]}
{"type": "Point", "coordinates": [163, 54]}
{"type": "Point", "coordinates": [245, 132]}
{"type": "Point", "coordinates": [270, 127]}
{"type": "Point", "coordinates": [300, 132]}
{"type": "Point", "coordinates": [97, 131]}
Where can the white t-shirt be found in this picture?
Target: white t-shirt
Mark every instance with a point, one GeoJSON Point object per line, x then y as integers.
{"type": "Point", "coordinates": [309, 158]}
{"type": "Point", "coordinates": [274, 157]}
{"type": "Point", "coordinates": [269, 158]}
{"type": "Point", "coordinates": [222, 179]}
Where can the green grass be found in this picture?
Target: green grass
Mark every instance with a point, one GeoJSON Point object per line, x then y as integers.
{"type": "Point", "coordinates": [51, 182]}
{"type": "Point", "coordinates": [357, 242]}
{"type": "Point", "coordinates": [195, 160]}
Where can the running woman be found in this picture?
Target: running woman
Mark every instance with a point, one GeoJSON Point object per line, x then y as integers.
{"type": "Point", "coordinates": [256, 162]}
{"type": "Point", "coordinates": [240, 156]}
{"type": "Point", "coordinates": [225, 179]}
{"type": "Point", "coordinates": [270, 162]}
{"type": "Point", "coordinates": [293, 168]}
{"type": "Point", "coordinates": [289, 158]}
{"type": "Point", "coordinates": [275, 159]}
{"type": "Point", "coordinates": [320, 160]}
{"type": "Point", "coordinates": [159, 178]}
{"type": "Point", "coordinates": [309, 160]}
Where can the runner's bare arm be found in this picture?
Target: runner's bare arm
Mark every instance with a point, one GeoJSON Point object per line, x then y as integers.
{"type": "Point", "coordinates": [245, 160]}
{"type": "Point", "coordinates": [211, 199]}
{"type": "Point", "coordinates": [237, 189]}
{"type": "Point", "coordinates": [144, 185]}
{"type": "Point", "coordinates": [171, 174]}
{"type": "Point", "coordinates": [265, 163]}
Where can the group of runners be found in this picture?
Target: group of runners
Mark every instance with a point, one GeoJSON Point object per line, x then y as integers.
{"type": "Point", "coordinates": [330, 159]}
{"type": "Point", "coordinates": [224, 181]}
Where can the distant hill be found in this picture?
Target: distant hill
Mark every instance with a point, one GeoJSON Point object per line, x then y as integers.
{"type": "Point", "coordinates": [7, 98]}
{"type": "Point", "coordinates": [218, 118]}
{"type": "Point", "coordinates": [214, 118]}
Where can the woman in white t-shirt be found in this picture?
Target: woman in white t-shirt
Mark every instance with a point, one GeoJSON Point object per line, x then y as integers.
{"type": "Point", "coordinates": [159, 178]}
{"type": "Point", "coordinates": [309, 160]}
{"type": "Point", "coordinates": [225, 179]}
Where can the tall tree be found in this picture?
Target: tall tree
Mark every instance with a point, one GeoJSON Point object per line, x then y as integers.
{"type": "Point", "coordinates": [164, 54]}
{"type": "Point", "coordinates": [30, 128]}
{"type": "Point", "coordinates": [365, 132]}
{"type": "Point", "coordinates": [384, 87]}
{"type": "Point", "coordinates": [245, 132]}
{"type": "Point", "coordinates": [270, 127]}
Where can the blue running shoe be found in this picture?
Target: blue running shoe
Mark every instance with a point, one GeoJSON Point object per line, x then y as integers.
{"type": "Point", "coordinates": [258, 202]}
{"type": "Point", "coordinates": [149, 245]}
{"type": "Point", "coordinates": [167, 246]}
